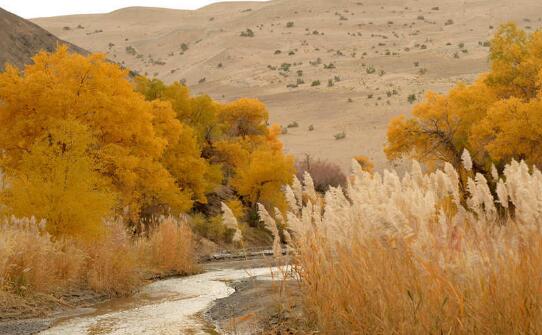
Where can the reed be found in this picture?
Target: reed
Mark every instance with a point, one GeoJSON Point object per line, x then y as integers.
{"type": "Point", "coordinates": [413, 254]}
{"type": "Point", "coordinates": [32, 262]}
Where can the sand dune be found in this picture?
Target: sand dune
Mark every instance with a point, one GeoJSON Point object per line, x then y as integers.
{"type": "Point", "coordinates": [368, 56]}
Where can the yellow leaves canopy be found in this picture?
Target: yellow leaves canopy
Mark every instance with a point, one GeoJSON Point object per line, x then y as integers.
{"type": "Point", "coordinates": [233, 138]}
{"type": "Point", "coordinates": [56, 180]}
{"type": "Point", "coordinates": [244, 117]}
{"type": "Point", "coordinates": [512, 130]}
{"type": "Point", "coordinates": [262, 177]}
{"type": "Point", "coordinates": [516, 61]}
{"type": "Point", "coordinates": [129, 135]}
{"type": "Point", "coordinates": [83, 144]}
{"type": "Point", "coordinates": [497, 118]}
{"type": "Point", "coordinates": [193, 173]}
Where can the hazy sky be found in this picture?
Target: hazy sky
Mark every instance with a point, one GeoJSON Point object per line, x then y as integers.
{"type": "Point", "coordinates": [40, 8]}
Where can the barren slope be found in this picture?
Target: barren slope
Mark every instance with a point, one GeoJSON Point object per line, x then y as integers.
{"type": "Point", "coordinates": [21, 39]}
{"type": "Point", "coordinates": [368, 56]}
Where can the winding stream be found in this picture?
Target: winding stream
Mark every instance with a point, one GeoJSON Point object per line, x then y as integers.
{"type": "Point", "coordinates": [164, 307]}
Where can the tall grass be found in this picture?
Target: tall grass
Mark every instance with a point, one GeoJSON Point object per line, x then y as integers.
{"type": "Point", "coordinates": [113, 266]}
{"type": "Point", "coordinates": [411, 255]}
{"type": "Point", "coordinates": [32, 262]}
{"type": "Point", "coordinates": [170, 249]}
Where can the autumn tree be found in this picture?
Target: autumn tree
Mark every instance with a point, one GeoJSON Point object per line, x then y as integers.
{"type": "Point", "coordinates": [200, 112]}
{"type": "Point", "coordinates": [192, 172]}
{"type": "Point", "coordinates": [129, 133]}
{"type": "Point", "coordinates": [254, 154]}
{"type": "Point", "coordinates": [86, 141]}
{"type": "Point", "coordinates": [244, 117]}
{"type": "Point", "coordinates": [261, 178]}
{"type": "Point", "coordinates": [512, 129]}
{"type": "Point", "coordinates": [56, 180]}
{"type": "Point", "coordinates": [497, 118]}
{"type": "Point", "coordinates": [184, 157]}
{"type": "Point", "coordinates": [233, 138]}
{"type": "Point", "coordinates": [516, 61]}
{"type": "Point", "coordinates": [441, 125]}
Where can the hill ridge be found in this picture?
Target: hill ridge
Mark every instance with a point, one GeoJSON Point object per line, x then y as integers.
{"type": "Point", "coordinates": [21, 39]}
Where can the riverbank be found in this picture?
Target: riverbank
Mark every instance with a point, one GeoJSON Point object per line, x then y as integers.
{"type": "Point", "coordinates": [100, 315]}
{"type": "Point", "coordinates": [31, 319]}
{"type": "Point", "coordinates": [47, 310]}
{"type": "Point", "coordinates": [257, 307]}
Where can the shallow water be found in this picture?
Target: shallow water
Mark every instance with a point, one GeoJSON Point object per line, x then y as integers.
{"type": "Point", "coordinates": [164, 307]}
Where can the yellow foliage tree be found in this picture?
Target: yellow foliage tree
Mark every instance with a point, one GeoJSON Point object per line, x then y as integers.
{"type": "Point", "coordinates": [261, 178]}
{"type": "Point", "coordinates": [200, 113]}
{"type": "Point", "coordinates": [512, 129]}
{"type": "Point", "coordinates": [131, 134]}
{"type": "Point", "coordinates": [56, 180]}
{"type": "Point", "coordinates": [232, 137]}
{"type": "Point", "coordinates": [183, 156]}
{"type": "Point", "coordinates": [230, 153]}
{"type": "Point", "coordinates": [516, 61]}
{"type": "Point", "coordinates": [441, 126]}
{"type": "Point", "coordinates": [497, 118]}
{"type": "Point", "coordinates": [244, 117]}
{"type": "Point", "coordinates": [191, 172]}
{"type": "Point", "coordinates": [85, 142]}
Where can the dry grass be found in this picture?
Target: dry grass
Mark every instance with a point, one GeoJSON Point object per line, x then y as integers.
{"type": "Point", "coordinates": [30, 261]}
{"type": "Point", "coordinates": [402, 255]}
{"type": "Point", "coordinates": [113, 264]}
{"type": "Point", "coordinates": [170, 249]}
{"type": "Point", "coordinates": [372, 288]}
{"type": "Point", "coordinates": [33, 264]}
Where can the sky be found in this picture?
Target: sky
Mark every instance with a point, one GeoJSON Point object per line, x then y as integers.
{"type": "Point", "coordinates": [41, 8]}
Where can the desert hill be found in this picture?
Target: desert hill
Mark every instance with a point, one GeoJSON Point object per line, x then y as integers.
{"type": "Point", "coordinates": [325, 68]}
{"type": "Point", "coordinates": [21, 39]}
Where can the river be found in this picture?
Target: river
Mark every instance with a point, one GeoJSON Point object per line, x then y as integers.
{"type": "Point", "coordinates": [170, 306]}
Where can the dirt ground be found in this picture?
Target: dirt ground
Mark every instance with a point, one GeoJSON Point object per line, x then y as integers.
{"type": "Point", "coordinates": [256, 307]}
{"type": "Point", "coordinates": [39, 312]}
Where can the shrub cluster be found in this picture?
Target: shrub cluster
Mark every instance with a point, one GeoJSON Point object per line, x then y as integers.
{"type": "Point", "coordinates": [324, 174]}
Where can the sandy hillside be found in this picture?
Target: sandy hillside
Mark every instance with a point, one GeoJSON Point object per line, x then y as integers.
{"type": "Point", "coordinates": [368, 56]}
